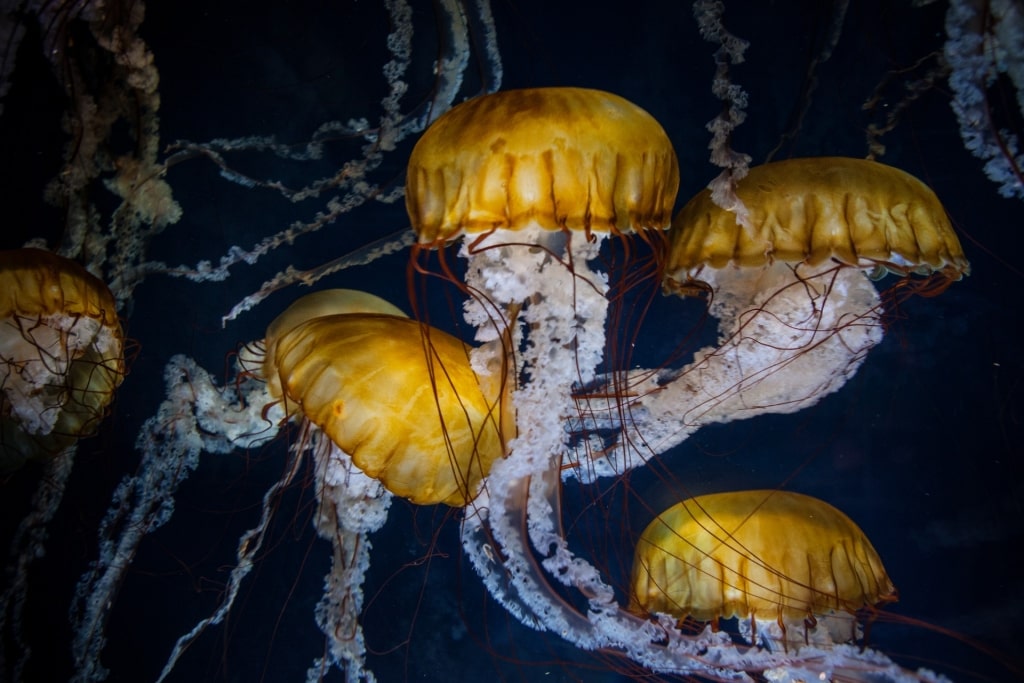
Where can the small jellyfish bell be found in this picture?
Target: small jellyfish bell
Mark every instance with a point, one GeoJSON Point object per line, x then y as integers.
{"type": "Point", "coordinates": [791, 288]}
{"type": "Point", "coordinates": [793, 569]}
{"type": "Point", "coordinates": [61, 354]}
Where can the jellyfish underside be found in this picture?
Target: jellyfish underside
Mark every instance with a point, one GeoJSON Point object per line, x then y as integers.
{"type": "Point", "coordinates": [61, 355]}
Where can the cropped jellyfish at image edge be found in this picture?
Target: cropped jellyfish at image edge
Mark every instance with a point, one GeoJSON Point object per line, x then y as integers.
{"type": "Point", "coordinates": [61, 355]}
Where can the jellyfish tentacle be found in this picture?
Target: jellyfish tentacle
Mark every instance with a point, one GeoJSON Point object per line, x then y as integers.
{"type": "Point", "coordinates": [352, 507]}
{"type": "Point", "coordinates": [783, 346]}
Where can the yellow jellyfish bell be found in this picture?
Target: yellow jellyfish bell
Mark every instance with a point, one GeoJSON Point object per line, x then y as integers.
{"type": "Point", "coordinates": [776, 555]}
{"type": "Point", "coordinates": [61, 354]}
{"type": "Point", "coordinates": [558, 158]}
{"type": "Point", "coordinates": [399, 397]}
{"type": "Point", "coordinates": [854, 211]}
{"type": "Point", "coordinates": [258, 358]}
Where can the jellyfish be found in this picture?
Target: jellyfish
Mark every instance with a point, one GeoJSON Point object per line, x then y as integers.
{"type": "Point", "coordinates": [783, 563]}
{"type": "Point", "coordinates": [792, 291]}
{"type": "Point", "coordinates": [398, 397]}
{"type": "Point", "coordinates": [61, 355]}
{"type": "Point", "coordinates": [392, 404]}
{"type": "Point", "coordinates": [534, 181]}
{"type": "Point", "coordinates": [389, 406]}
{"type": "Point", "coordinates": [61, 360]}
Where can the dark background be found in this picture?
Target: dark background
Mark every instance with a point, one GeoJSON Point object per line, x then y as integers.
{"type": "Point", "coordinates": [922, 448]}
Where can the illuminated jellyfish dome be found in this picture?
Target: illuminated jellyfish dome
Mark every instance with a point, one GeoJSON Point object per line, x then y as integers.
{"type": "Point", "coordinates": [541, 159]}
{"type": "Point", "coordinates": [810, 211]}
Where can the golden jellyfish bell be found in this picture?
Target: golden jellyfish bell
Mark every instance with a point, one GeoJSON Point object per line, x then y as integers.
{"type": "Point", "coordinates": [329, 302]}
{"type": "Point", "coordinates": [400, 398]}
{"type": "Point", "coordinates": [61, 354]}
{"type": "Point", "coordinates": [258, 358]}
{"type": "Point", "coordinates": [558, 158]}
{"type": "Point", "coordinates": [776, 555]}
{"type": "Point", "coordinates": [854, 211]}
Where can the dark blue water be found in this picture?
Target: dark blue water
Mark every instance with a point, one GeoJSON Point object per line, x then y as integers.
{"type": "Point", "coordinates": [922, 448]}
